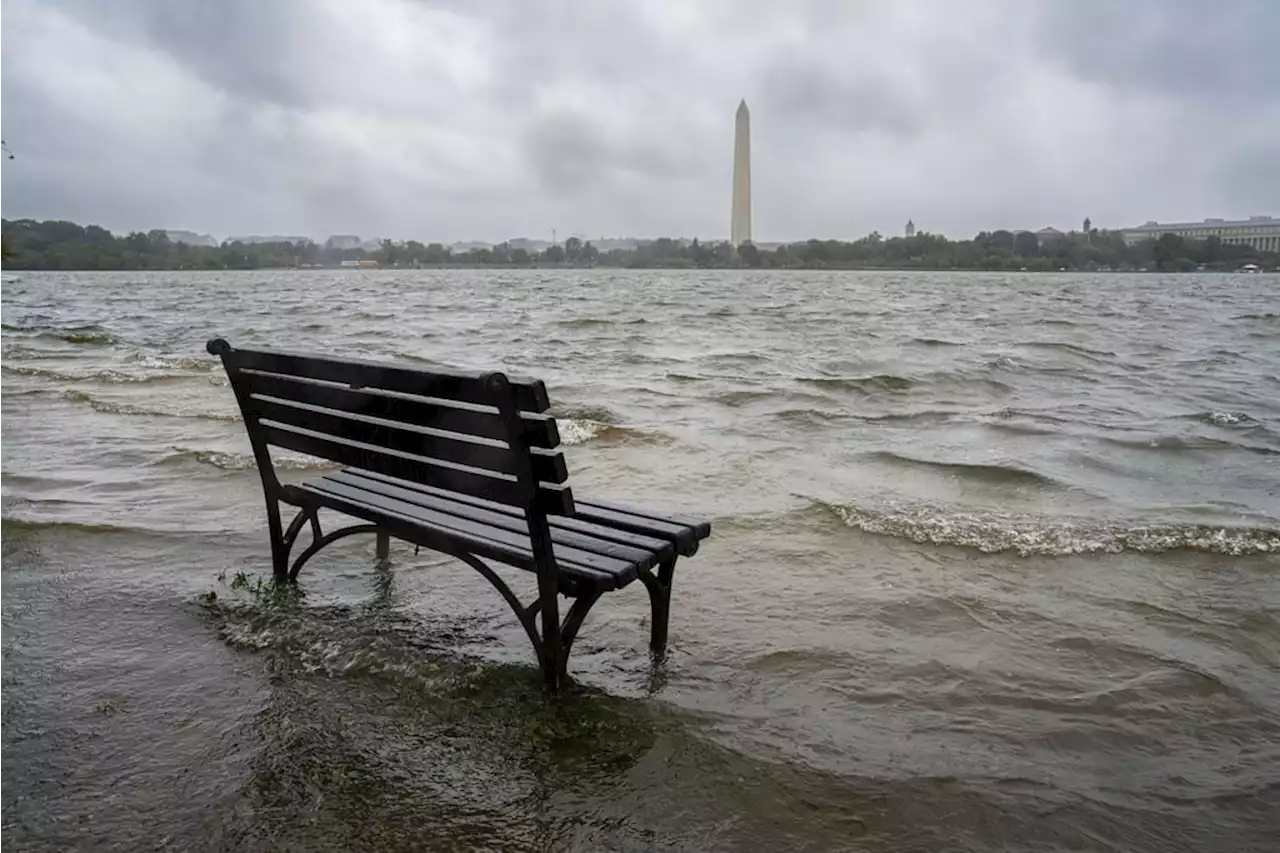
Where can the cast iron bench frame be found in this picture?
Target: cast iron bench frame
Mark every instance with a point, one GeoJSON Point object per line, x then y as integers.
{"type": "Point", "coordinates": [466, 464]}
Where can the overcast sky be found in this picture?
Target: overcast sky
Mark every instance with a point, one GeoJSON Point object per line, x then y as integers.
{"type": "Point", "coordinates": [489, 120]}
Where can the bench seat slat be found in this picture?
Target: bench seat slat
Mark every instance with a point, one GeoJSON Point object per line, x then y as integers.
{"type": "Point", "coordinates": [530, 394]}
{"type": "Point", "coordinates": [701, 529]}
{"type": "Point", "coordinates": [659, 546]}
{"type": "Point", "coordinates": [627, 526]}
{"type": "Point", "coordinates": [447, 415]}
{"type": "Point", "coordinates": [602, 571]}
{"type": "Point", "coordinates": [554, 498]}
{"type": "Point", "coordinates": [585, 537]}
{"type": "Point", "coordinates": [685, 537]}
{"type": "Point", "coordinates": [548, 466]}
{"type": "Point", "coordinates": [420, 532]}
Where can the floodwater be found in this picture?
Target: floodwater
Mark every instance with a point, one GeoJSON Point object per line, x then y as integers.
{"type": "Point", "coordinates": [995, 564]}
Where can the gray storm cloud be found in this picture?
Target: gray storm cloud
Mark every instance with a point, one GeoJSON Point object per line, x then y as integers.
{"type": "Point", "coordinates": [461, 120]}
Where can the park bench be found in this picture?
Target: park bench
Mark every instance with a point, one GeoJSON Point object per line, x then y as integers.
{"type": "Point", "coordinates": [466, 464]}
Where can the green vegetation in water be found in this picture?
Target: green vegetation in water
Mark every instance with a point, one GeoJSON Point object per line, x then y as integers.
{"type": "Point", "coordinates": [57, 245]}
{"type": "Point", "coordinates": [259, 590]}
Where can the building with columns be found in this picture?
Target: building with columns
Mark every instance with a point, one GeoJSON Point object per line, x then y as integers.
{"type": "Point", "coordinates": [1260, 232]}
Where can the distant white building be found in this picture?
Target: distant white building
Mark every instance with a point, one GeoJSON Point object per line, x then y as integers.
{"type": "Point", "coordinates": [1260, 232]}
{"type": "Point", "coordinates": [528, 244]}
{"type": "Point", "coordinates": [1048, 236]}
{"type": "Point", "coordinates": [191, 238]}
{"type": "Point", "coordinates": [342, 241]}
{"type": "Point", "coordinates": [608, 244]}
{"type": "Point", "coordinates": [910, 230]}
{"type": "Point", "coordinates": [268, 238]}
{"type": "Point", "coordinates": [466, 246]}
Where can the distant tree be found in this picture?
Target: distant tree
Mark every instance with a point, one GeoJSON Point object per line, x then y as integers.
{"type": "Point", "coordinates": [1026, 245]}
{"type": "Point", "coordinates": [388, 254]}
{"type": "Point", "coordinates": [816, 253]}
{"type": "Point", "coordinates": [1212, 251]}
{"type": "Point", "coordinates": [572, 250]}
{"type": "Point", "coordinates": [32, 245]}
{"type": "Point", "coordinates": [698, 253]}
{"type": "Point", "coordinates": [1167, 248]}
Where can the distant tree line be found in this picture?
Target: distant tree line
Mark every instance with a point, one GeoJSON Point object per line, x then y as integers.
{"type": "Point", "coordinates": [56, 245]}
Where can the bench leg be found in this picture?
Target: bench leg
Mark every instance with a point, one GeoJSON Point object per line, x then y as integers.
{"type": "Point", "coordinates": [279, 548]}
{"type": "Point", "coordinates": [384, 547]}
{"type": "Point", "coordinates": [659, 588]}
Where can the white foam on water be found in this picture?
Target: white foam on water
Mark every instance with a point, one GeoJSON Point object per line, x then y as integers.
{"type": "Point", "coordinates": [993, 533]}
{"type": "Point", "coordinates": [574, 431]}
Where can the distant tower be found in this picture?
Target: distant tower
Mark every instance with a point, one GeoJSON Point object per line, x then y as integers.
{"type": "Point", "coordinates": [911, 228]}
{"type": "Point", "coordinates": [740, 222]}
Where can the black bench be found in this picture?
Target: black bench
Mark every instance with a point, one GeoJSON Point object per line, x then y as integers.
{"type": "Point", "coordinates": [463, 463]}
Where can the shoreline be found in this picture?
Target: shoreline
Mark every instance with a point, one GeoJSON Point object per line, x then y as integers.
{"type": "Point", "coordinates": [8, 268]}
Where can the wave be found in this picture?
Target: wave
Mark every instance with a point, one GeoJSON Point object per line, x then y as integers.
{"type": "Point", "coordinates": [401, 355]}
{"type": "Point", "coordinates": [936, 342]}
{"type": "Point", "coordinates": [111, 407]}
{"type": "Point", "coordinates": [1186, 443]}
{"type": "Point", "coordinates": [92, 334]}
{"type": "Point", "coordinates": [742, 397]}
{"type": "Point", "coordinates": [229, 461]}
{"type": "Point", "coordinates": [811, 415]}
{"type": "Point", "coordinates": [112, 377]}
{"type": "Point", "coordinates": [734, 357]}
{"type": "Point", "coordinates": [1266, 315]}
{"type": "Point", "coordinates": [149, 361]}
{"type": "Point", "coordinates": [584, 413]}
{"type": "Point", "coordinates": [17, 525]}
{"type": "Point", "coordinates": [1093, 354]}
{"type": "Point", "coordinates": [1231, 419]}
{"type": "Point", "coordinates": [575, 431]}
{"type": "Point", "coordinates": [999, 474]}
{"type": "Point", "coordinates": [992, 533]}
{"type": "Point", "coordinates": [864, 384]}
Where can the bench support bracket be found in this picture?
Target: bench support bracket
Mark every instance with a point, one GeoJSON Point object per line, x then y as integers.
{"type": "Point", "coordinates": [552, 652]}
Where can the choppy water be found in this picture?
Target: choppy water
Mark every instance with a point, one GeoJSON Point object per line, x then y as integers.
{"type": "Point", "coordinates": [996, 564]}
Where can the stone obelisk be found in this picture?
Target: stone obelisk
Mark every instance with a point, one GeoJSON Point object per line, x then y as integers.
{"type": "Point", "coordinates": [740, 222]}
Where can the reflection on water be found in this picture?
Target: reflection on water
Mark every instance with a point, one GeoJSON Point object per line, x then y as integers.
{"type": "Point", "coordinates": [994, 566]}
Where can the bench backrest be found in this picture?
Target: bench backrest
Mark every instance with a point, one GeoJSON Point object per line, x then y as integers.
{"type": "Point", "coordinates": [481, 435]}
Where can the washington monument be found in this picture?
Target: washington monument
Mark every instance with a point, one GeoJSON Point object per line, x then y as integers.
{"type": "Point", "coordinates": [740, 223]}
